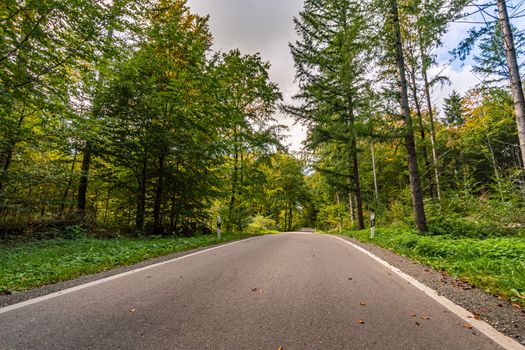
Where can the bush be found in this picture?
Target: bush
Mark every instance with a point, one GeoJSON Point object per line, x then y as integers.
{"type": "Point", "coordinates": [261, 223]}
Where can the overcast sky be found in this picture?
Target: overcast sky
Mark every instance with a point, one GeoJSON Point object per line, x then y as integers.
{"type": "Point", "coordinates": [266, 26]}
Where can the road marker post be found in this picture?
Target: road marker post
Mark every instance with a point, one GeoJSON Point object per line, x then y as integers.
{"type": "Point", "coordinates": [219, 221]}
{"type": "Point", "coordinates": [372, 224]}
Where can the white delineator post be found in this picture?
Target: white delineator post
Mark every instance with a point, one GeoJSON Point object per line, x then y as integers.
{"type": "Point", "coordinates": [219, 221]}
{"type": "Point", "coordinates": [372, 224]}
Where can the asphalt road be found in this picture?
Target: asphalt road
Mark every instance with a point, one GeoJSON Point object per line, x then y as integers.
{"type": "Point", "coordinates": [298, 291]}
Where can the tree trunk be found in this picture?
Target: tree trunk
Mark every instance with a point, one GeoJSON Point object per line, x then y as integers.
{"type": "Point", "coordinates": [432, 130]}
{"type": "Point", "coordinates": [5, 168]}
{"type": "Point", "coordinates": [415, 184]}
{"type": "Point", "coordinates": [141, 199]}
{"type": "Point", "coordinates": [515, 77]}
{"type": "Point", "coordinates": [355, 165]}
{"type": "Point", "coordinates": [376, 188]}
{"type": "Point", "coordinates": [340, 221]}
{"type": "Point", "coordinates": [106, 209]}
{"type": "Point", "coordinates": [8, 157]}
{"type": "Point", "coordinates": [84, 180]}
{"type": "Point", "coordinates": [235, 176]}
{"type": "Point", "coordinates": [88, 150]}
{"type": "Point", "coordinates": [157, 217]}
{"type": "Point", "coordinates": [290, 216]}
{"type": "Point", "coordinates": [428, 169]}
{"type": "Point", "coordinates": [68, 185]}
{"type": "Point", "coordinates": [351, 208]}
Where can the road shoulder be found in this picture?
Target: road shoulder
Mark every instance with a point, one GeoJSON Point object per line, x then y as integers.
{"type": "Point", "coordinates": [498, 313]}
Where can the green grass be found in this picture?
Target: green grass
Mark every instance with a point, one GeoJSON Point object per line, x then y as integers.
{"type": "Point", "coordinates": [29, 265]}
{"type": "Point", "coordinates": [496, 265]}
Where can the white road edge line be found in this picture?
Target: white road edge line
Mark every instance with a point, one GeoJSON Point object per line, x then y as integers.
{"type": "Point", "coordinates": [114, 277]}
{"type": "Point", "coordinates": [496, 336]}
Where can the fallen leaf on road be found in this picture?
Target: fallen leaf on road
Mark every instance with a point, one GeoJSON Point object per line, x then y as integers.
{"type": "Point", "coordinates": [361, 321]}
{"type": "Point", "coordinates": [476, 316]}
{"type": "Point", "coordinates": [349, 278]}
{"type": "Point", "coordinates": [254, 290]}
{"type": "Point", "coordinates": [417, 324]}
{"type": "Point", "coordinates": [467, 326]}
{"type": "Point", "coordinates": [280, 348]}
{"type": "Point", "coordinates": [413, 314]}
{"type": "Point", "coordinates": [426, 318]}
{"type": "Point", "coordinates": [516, 306]}
{"type": "Point", "coordinates": [362, 303]}
{"type": "Point", "coordinates": [500, 305]}
{"type": "Point", "coordinates": [131, 310]}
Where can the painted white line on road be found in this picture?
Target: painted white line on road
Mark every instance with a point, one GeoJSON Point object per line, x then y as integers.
{"type": "Point", "coordinates": [498, 337]}
{"type": "Point", "coordinates": [111, 278]}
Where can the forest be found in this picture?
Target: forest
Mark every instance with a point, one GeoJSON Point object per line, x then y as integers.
{"type": "Point", "coordinates": [118, 118]}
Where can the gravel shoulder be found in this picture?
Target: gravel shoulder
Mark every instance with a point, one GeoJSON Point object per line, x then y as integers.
{"type": "Point", "coordinates": [499, 313]}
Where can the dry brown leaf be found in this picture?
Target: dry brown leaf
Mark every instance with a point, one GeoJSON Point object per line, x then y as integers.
{"type": "Point", "coordinates": [131, 310]}
{"type": "Point", "coordinates": [362, 303]}
{"type": "Point", "coordinates": [516, 306]}
{"type": "Point", "coordinates": [254, 290]}
{"type": "Point", "coordinates": [413, 314]}
{"type": "Point", "coordinates": [426, 318]}
{"type": "Point", "coordinates": [417, 324]}
{"type": "Point", "coordinates": [361, 321]}
{"type": "Point", "coordinates": [467, 326]}
{"type": "Point", "coordinates": [280, 348]}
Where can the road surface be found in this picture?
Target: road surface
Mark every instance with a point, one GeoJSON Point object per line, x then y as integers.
{"type": "Point", "coordinates": [298, 291]}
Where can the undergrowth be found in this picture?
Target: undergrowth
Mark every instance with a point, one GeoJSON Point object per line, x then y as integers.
{"type": "Point", "coordinates": [494, 264]}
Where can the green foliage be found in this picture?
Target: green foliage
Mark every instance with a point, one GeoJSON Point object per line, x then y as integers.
{"type": "Point", "coordinates": [453, 110]}
{"type": "Point", "coordinates": [494, 264]}
{"type": "Point", "coordinates": [107, 115]}
{"type": "Point", "coordinates": [491, 60]}
{"type": "Point", "coordinates": [260, 223]}
{"type": "Point", "coordinates": [30, 265]}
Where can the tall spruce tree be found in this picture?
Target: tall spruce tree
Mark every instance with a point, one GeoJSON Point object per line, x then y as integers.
{"type": "Point", "coordinates": [331, 59]}
{"type": "Point", "coordinates": [453, 109]}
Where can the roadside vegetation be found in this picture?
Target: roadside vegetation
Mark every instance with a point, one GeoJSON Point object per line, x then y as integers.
{"type": "Point", "coordinates": [495, 264]}
{"type": "Point", "coordinates": [32, 264]}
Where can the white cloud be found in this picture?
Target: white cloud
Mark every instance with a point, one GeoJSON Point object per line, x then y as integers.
{"type": "Point", "coordinates": [461, 81]}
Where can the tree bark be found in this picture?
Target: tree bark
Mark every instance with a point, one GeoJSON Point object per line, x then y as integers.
{"type": "Point", "coordinates": [141, 199]}
{"type": "Point", "coordinates": [515, 77]}
{"type": "Point", "coordinates": [68, 185]}
{"type": "Point", "coordinates": [235, 181]}
{"type": "Point", "coordinates": [351, 208]}
{"type": "Point", "coordinates": [432, 128]}
{"type": "Point", "coordinates": [340, 219]}
{"type": "Point", "coordinates": [415, 184]}
{"type": "Point", "coordinates": [157, 217]}
{"type": "Point", "coordinates": [84, 180]}
{"type": "Point", "coordinates": [354, 165]}
{"type": "Point", "coordinates": [7, 158]}
{"type": "Point", "coordinates": [422, 133]}
{"type": "Point", "coordinates": [290, 216]}
{"type": "Point", "coordinates": [376, 188]}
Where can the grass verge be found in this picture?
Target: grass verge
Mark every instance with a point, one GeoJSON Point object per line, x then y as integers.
{"type": "Point", "coordinates": [496, 265]}
{"type": "Point", "coordinates": [29, 265]}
